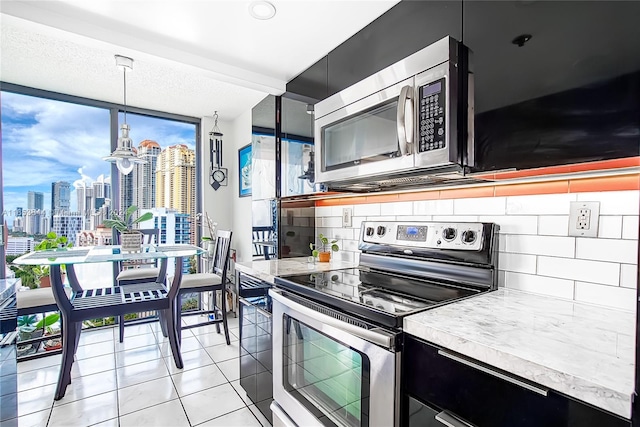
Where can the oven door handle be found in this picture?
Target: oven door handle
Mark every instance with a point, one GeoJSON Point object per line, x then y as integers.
{"type": "Point", "coordinates": [405, 133]}
{"type": "Point", "coordinates": [451, 420]}
{"type": "Point", "coordinates": [376, 336]}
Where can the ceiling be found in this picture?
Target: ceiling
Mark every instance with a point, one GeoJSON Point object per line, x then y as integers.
{"type": "Point", "coordinates": [192, 57]}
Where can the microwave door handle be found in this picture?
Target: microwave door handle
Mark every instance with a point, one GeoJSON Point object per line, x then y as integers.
{"type": "Point", "coordinates": [405, 133]}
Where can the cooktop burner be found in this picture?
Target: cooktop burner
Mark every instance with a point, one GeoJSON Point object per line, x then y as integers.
{"type": "Point", "coordinates": [382, 297]}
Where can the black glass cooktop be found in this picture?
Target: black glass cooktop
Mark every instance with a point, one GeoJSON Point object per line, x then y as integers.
{"type": "Point", "coordinates": [379, 297]}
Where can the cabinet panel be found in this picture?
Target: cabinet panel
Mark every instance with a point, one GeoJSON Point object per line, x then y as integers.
{"type": "Point", "coordinates": [401, 31]}
{"type": "Point", "coordinates": [486, 400]}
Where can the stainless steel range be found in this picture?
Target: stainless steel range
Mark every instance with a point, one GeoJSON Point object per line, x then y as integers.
{"type": "Point", "coordinates": [337, 336]}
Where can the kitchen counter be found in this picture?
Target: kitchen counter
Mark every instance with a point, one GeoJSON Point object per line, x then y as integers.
{"type": "Point", "coordinates": [583, 351]}
{"type": "Point", "coordinates": [268, 270]}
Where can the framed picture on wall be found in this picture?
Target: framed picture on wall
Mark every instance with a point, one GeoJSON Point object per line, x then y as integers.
{"type": "Point", "coordinates": [244, 168]}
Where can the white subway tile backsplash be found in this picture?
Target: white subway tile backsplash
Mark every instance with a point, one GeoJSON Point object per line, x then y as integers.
{"type": "Point", "coordinates": [614, 202]}
{"type": "Point", "coordinates": [630, 227]}
{"type": "Point", "coordinates": [553, 225]}
{"type": "Point", "coordinates": [614, 250]}
{"type": "Point", "coordinates": [342, 233]}
{"type": "Point", "coordinates": [540, 284]}
{"type": "Point", "coordinates": [628, 275]}
{"type": "Point", "coordinates": [605, 273]}
{"type": "Point", "coordinates": [396, 208]}
{"type": "Point", "coordinates": [322, 211]}
{"type": "Point", "coordinates": [480, 206]}
{"type": "Point", "coordinates": [332, 221]}
{"type": "Point", "coordinates": [372, 209]}
{"type": "Point", "coordinates": [536, 253]}
{"type": "Point", "coordinates": [381, 218]}
{"type": "Point", "coordinates": [543, 204]}
{"type": "Point", "coordinates": [414, 218]}
{"type": "Point", "coordinates": [610, 227]}
{"type": "Point", "coordinates": [622, 298]}
{"type": "Point", "coordinates": [433, 207]}
{"type": "Point", "coordinates": [455, 218]}
{"type": "Point", "coordinates": [345, 256]}
{"type": "Point", "coordinates": [513, 224]}
{"type": "Point", "coordinates": [541, 245]}
{"type": "Point", "coordinates": [517, 262]}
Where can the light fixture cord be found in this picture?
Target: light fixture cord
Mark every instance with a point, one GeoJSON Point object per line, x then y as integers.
{"type": "Point", "coordinates": [124, 70]}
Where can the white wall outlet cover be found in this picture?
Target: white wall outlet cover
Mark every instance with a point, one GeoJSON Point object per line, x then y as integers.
{"type": "Point", "coordinates": [584, 218]}
{"type": "Point", "coordinates": [347, 213]}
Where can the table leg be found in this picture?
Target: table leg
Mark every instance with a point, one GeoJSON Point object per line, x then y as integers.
{"type": "Point", "coordinates": [172, 318]}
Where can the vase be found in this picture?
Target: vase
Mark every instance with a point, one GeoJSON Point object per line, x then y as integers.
{"type": "Point", "coordinates": [324, 256]}
{"type": "Point", "coordinates": [131, 241]}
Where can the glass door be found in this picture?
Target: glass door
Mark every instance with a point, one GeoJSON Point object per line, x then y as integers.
{"type": "Point", "coordinates": [326, 376]}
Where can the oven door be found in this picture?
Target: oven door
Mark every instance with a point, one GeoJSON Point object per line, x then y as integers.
{"type": "Point", "coordinates": [371, 136]}
{"type": "Point", "coordinates": [330, 369]}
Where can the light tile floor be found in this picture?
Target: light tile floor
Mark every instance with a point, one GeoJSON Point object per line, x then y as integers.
{"type": "Point", "coordinates": [136, 383]}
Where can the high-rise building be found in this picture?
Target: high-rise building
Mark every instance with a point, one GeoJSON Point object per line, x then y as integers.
{"type": "Point", "coordinates": [176, 181]}
{"type": "Point", "coordinates": [19, 245]}
{"type": "Point", "coordinates": [85, 202]}
{"type": "Point", "coordinates": [60, 197]}
{"type": "Point", "coordinates": [35, 200]}
{"type": "Point", "coordinates": [144, 175]}
{"type": "Point", "coordinates": [18, 224]}
{"type": "Point", "coordinates": [67, 225]}
{"type": "Point", "coordinates": [35, 207]}
{"type": "Point", "coordinates": [125, 183]}
{"type": "Point", "coordinates": [45, 224]}
{"type": "Point", "coordinates": [102, 187]}
{"type": "Point", "coordinates": [174, 227]}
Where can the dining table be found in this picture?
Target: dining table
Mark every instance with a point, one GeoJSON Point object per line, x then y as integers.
{"type": "Point", "coordinates": [113, 297]}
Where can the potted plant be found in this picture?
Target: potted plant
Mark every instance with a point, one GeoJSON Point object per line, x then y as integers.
{"type": "Point", "coordinates": [130, 239]}
{"type": "Point", "coordinates": [209, 241]}
{"type": "Point", "coordinates": [51, 242]}
{"type": "Point", "coordinates": [323, 250]}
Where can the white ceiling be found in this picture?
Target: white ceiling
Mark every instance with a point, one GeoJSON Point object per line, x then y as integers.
{"type": "Point", "coordinates": [191, 56]}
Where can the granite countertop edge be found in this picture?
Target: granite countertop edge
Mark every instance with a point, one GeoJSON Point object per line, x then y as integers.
{"type": "Point", "coordinates": [602, 396]}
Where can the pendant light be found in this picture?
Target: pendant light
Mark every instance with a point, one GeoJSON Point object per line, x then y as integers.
{"type": "Point", "coordinates": [124, 157]}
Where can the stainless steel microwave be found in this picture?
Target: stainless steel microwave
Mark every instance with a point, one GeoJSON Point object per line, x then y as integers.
{"type": "Point", "coordinates": [407, 124]}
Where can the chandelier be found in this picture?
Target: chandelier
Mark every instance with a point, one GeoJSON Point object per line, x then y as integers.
{"type": "Point", "coordinates": [124, 157]}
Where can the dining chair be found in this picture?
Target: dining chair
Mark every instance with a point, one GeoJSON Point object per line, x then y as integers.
{"type": "Point", "coordinates": [214, 281]}
{"type": "Point", "coordinates": [113, 301]}
{"type": "Point", "coordinates": [139, 272]}
{"type": "Point", "coordinates": [263, 234]}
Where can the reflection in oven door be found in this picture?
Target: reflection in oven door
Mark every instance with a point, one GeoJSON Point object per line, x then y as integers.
{"type": "Point", "coordinates": [330, 372]}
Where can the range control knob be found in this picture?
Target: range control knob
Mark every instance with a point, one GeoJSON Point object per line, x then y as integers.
{"type": "Point", "coordinates": [381, 230]}
{"type": "Point", "coordinates": [469, 236]}
{"type": "Point", "coordinates": [369, 231]}
{"type": "Point", "coordinates": [449, 234]}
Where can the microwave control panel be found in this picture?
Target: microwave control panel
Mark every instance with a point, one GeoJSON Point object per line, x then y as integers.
{"type": "Point", "coordinates": [432, 99]}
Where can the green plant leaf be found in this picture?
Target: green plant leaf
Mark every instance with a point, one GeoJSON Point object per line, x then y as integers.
{"type": "Point", "coordinates": [335, 248]}
{"type": "Point", "coordinates": [146, 217]}
{"type": "Point", "coordinates": [48, 320]}
{"type": "Point", "coordinates": [315, 253]}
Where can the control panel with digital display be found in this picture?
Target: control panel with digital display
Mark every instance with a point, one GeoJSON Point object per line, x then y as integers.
{"type": "Point", "coordinates": [412, 233]}
{"type": "Point", "coordinates": [432, 129]}
{"type": "Point", "coordinates": [464, 236]}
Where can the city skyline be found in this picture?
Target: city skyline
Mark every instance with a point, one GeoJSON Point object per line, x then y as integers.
{"type": "Point", "coordinates": [46, 141]}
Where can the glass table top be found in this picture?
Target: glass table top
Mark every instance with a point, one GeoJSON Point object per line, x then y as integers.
{"type": "Point", "coordinates": [94, 254]}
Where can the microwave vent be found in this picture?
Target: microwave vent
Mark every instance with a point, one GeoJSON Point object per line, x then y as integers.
{"type": "Point", "coordinates": [405, 182]}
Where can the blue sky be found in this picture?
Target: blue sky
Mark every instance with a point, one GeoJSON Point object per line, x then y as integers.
{"type": "Point", "coordinates": [44, 141]}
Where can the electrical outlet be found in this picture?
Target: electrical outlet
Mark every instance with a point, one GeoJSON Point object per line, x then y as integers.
{"type": "Point", "coordinates": [347, 213]}
{"type": "Point", "coordinates": [583, 219]}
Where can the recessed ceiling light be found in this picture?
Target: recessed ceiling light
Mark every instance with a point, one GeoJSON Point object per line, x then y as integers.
{"type": "Point", "coordinates": [262, 10]}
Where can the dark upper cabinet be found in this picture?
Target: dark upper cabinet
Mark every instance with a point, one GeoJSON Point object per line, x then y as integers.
{"type": "Point", "coordinates": [570, 94]}
{"type": "Point", "coordinates": [402, 30]}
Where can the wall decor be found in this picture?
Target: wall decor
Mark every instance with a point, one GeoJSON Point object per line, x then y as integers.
{"type": "Point", "coordinates": [244, 168]}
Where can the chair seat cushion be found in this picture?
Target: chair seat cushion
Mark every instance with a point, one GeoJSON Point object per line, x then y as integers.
{"type": "Point", "coordinates": [198, 280]}
{"type": "Point", "coordinates": [138, 273]}
{"type": "Point", "coordinates": [37, 297]}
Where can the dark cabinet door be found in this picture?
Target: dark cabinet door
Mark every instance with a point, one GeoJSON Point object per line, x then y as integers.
{"type": "Point", "coordinates": [570, 94]}
{"type": "Point", "coordinates": [485, 400]}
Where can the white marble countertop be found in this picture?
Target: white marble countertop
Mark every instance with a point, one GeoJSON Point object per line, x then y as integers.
{"type": "Point", "coordinates": [268, 270]}
{"type": "Point", "coordinates": [581, 350]}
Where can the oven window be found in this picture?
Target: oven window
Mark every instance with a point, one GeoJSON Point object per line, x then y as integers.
{"type": "Point", "coordinates": [328, 377]}
{"type": "Point", "coordinates": [365, 137]}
